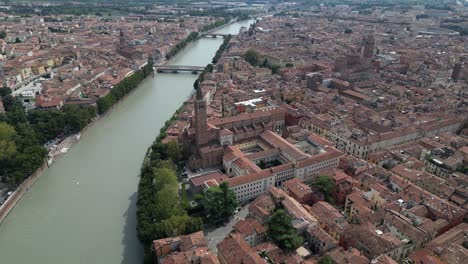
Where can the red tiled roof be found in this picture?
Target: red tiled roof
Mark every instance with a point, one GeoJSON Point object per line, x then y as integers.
{"type": "Point", "coordinates": [235, 250]}
{"type": "Point", "coordinates": [200, 180]}
{"type": "Point", "coordinates": [235, 181]}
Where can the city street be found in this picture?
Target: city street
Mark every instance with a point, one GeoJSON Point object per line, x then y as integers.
{"type": "Point", "coordinates": [215, 236]}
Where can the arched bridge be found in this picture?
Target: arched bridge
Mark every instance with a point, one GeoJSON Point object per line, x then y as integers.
{"type": "Point", "coordinates": [213, 35]}
{"type": "Point", "coordinates": [179, 68]}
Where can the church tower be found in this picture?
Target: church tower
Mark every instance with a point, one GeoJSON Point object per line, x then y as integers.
{"type": "Point", "coordinates": [200, 119]}
{"type": "Point", "coordinates": [122, 40]}
{"type": "Point", "coordinates": [457, 70]}
{"type": "Point", "coordinates": [368, 43]}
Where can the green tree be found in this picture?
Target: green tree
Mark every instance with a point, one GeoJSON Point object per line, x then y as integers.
{"type": "Point", "coordinates": [252, 57]}
{"type": "Point", "coordinates": [17, 40]}
{"type": "Point", "coordinates": [7, 143]}
{"type": "Point", "coordinates": [174, 151]}
{"type": "Point", "coordinates": [325, 260]}
{"type": "Point", "coordinates": [348, 31]}
{"type": "Point", "coordinates": [3, 34]}
{"type": "Point", "coordinates": [4, 91]}
{"type": "Point", "coordinates": [219, 202]}
{"type": "Point", "coordinates": [25, 163]}
{"type": "Point", "coordinates": [275, 68]}
{"type": "Point", "coordinates": [159, 151]}
{"type": "Point", "coordinates": [179, 225]}
{"type": "Point", "coordinates": [26, 136]}
{"type": "Point", "coordinates": [282, 232]}
{"type": "Point", "coordinates": [8, 102]}
{"type": "Point", "coordinates": [166, 203]}
{"type": "Point", "coordinates": [325, 185]}
{"type": "Point", "coordinates": [463, 169]}
{"type": "Point", "coordinates": [164, 177]}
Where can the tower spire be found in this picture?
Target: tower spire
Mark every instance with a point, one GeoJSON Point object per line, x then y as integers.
{"type": "Point", "coordinates": [200, 119]}
{"type": "Point", "coordinates": [199, 93]}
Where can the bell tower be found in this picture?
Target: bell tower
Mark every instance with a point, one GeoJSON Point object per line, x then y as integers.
{"type": "Point", "coordinates": [122, 40]}
{"type": "Point", "coordinates": [200, 119]}
{"type": "Point", "coordinates": [369, 43]}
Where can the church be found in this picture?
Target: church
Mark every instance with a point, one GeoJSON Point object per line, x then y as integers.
{"type": "Point", "coordinates": [126, 50]}
{"type": "Point", "coordinates": [205, 140]}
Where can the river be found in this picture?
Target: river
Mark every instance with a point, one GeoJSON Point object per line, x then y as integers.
{"type": "Point", "coordinates": [82, 210]}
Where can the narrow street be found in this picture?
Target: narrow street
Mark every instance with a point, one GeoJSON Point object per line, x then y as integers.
{"type": "Point", "coordinates": [215, 236]}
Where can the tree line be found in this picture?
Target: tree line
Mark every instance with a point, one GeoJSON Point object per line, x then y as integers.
{"type": "Point", "coordinates": [23, 134]}
{"type": "Point", "coordinates": [209, 68]}
{"type": "Point", "coordinates": [181, 45]}
{"type": "Point", "coordinates": [194, 35]}
{"type": "Point", "coordinates": [216, 24]}
{"type": "Point", "coordinates": [161, 211]}
{"type": "Point", "coordinates": [221, 49]}
{"type": "Point", "coordinates": [256, 60]}
{"type": "Point", "coordinates": [123, 88]}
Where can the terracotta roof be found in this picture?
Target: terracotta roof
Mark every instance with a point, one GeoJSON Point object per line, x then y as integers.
{"type": "Point", "coordinates": [351, 256]}
{"type": "Point", "coordinates": [330, 153]}
{"type": "Point", "coordinates": [326, 212]}
{"type": "Point", "coordinates": [46, 102]}
{"type": "Point", "coordinates": [196, 239]}
{"type": "Point", "coordinates": [200, 180]}
{"type": "Point", "coordinates": [283, 145]}
{"type": "Point", "coordinates": [384, 259]}
{"type": "Point", "coordinates": [235, 181]}
{"type": "Point", "coordinates": [319, 234]}
{"type": "Point", "coordinates": [235, 250]}
{"type": "Point", "coordinates": [249, 226]}
{"type": "Point", "coordinates": [297, 187]}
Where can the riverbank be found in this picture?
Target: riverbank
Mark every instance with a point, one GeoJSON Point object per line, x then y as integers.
{"type": "Point", "coordinates": [54, 155]}
{"type": "Point", "coordinates": [106, 160]}
{"type": "Point", "coordinates": [164, 160]}
{"type": "Point", "coordinates": [196, 35]}
{"type": "Point", "coordinates": [22, 189]}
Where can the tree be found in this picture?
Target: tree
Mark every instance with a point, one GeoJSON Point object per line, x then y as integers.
{"type": "Point", "coordinates": [26, 136]}
{"type": "Point", "coordinates": [174, 151]}
{"type": "Point", "coordinates": [252, 57]}
{"type": "Point", "coordinates": [179, 225]}
{"type": "Point", "coordinates": [325, 260]}
{"type": "Point", "coordinates": [196, 84]}
{"type": "Point", "coordinates": [282, 232]}
{"type": "Point", "coordinates": [3, 34]}
{"type": "Point", "coordinates": [7, 143]}
{"type": "Point", "coordinates": [348, 31]}
{"type": "Point", "coordinates": [158, 151]}
{"type": "Point", "coordinates": [4, 91]}
{"type": "Point", "coordinates": [164, 177]}
{"type": "Point", "coordinates": [275, 68]}
{"type": "Point", "coordinates": [17, 40]}
{"type": "Point", "coordinates": [8, 102]}
{"type": "Point", "coordinates": [24, 163]}
{"type": "Point", "coordinates": [325, 185]}
{"type": "Point", "coordinates": [219, 202]}
{"type": "Point", "coordinates": [463, 169]}
{"type": "Point", "coordinates": [166, 203]}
